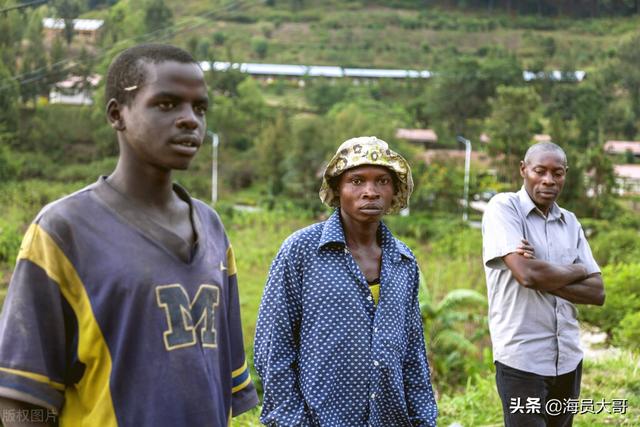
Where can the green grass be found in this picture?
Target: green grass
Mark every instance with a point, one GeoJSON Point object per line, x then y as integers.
{"type": "Point", "coordinates": [256, 238]}
{"type": "Point", "coordinates": [374, 36]}
{"type": "Point", "coordinates": [610, 378]}
{"type": "Point", "coordinates": [449, 257]}
{"type": "Point", "coordinates": [479, 404]}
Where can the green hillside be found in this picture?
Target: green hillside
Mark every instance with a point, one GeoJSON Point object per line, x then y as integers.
{"type": "Point", "coordinates": [276, 134]}
{"type": "Point", "coordinates": [352, 33]}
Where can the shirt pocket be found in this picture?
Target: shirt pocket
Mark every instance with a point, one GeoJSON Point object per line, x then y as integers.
{"type": "Point", "coordinates": [566, 255]}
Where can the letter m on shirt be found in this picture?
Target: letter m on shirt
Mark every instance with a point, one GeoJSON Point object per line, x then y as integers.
{"type": "Point", "coordinates": [186, 317]}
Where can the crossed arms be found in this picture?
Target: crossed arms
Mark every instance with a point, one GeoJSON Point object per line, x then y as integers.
{"type": "Point", "coordinates": [571, 282]}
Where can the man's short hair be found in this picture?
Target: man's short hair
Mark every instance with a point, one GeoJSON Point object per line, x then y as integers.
{"type": "Point", "coordinates": [545, 147]}
{"type": "Point", "coordinates": [126, 73]}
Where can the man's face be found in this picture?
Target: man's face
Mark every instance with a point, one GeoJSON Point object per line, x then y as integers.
{"type": "Point", "coordinates": [544, 177]}
{"type": "Point", "coordinates": [366, 193]}
{"type": "Point", "coordinates": [165, 122]}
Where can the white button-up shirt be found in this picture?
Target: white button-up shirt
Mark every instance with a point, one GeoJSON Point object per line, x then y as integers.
{"type": "Point", "coordinates": [532, 330]}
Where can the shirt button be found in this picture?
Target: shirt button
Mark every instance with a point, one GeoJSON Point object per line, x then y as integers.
{"type": "Point", "coordinates": [369, 297]}
{"type": "Point", "coordinates": [373, 396]}
{"type": "Point", "coordinates": [375, 330]}
{"type": "Point", "coordinates": [376, 363]}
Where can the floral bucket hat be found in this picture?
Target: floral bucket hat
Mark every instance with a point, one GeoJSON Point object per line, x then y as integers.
{"type": "Point", "coordinates": [367, 150]}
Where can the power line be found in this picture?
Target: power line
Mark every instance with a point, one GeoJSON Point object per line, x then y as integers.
{"type": "Point", "coordinates": [34, 3]}
{"type": "Point", "coordinates": [163, 33]}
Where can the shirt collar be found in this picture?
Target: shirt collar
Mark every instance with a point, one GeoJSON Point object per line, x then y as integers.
{"type": "Point", "coordinates": [332, 231]}
{"type": "Point", "coordinates": [333, 234]}
{"type": "Point", "coordinates": [527, 206]}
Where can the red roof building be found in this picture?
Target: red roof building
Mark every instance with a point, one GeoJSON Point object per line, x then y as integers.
{"type": "Point", "coordinates": [622, 147]}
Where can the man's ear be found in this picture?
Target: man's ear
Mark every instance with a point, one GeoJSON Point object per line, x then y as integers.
{"type": "Point", "coordinates": [522, 166]}
{"type": "Point", "coordinates": [114, 115]}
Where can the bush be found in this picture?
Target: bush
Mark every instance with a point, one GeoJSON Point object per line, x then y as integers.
{"type": "Point", "coordinates": [9, 165]}
{"type": "Point", "coordinates": [628, 334]}
{"type": "Point", "coordinates": [48, 131]}
{"type": "Point", "coordinates": [260, 45]}
{"type": "Point", "coordinates": [86, 172]}
{"type": "Point", "coordinates": [623, 299]}
{"type": "Point", "coordinates": [219, 38]}
{"type": "Point", "coordinates": [239, 18]}
{"type": "Point", "coordinates": [10, 237]}
{"type": "Point", "coordinates": [616, 246]}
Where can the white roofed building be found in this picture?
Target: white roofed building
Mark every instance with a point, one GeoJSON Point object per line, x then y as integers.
{"type": "Point", "coordinates": [627, 178]}
{"type": "Point", "coordinates": [74, 91]}
{"type": "Point", "coordinates": [328, 71]}
{"type": "Point", "coordinates": [86, 29]}
{"type": "Point", "coordinates": [422, 136]}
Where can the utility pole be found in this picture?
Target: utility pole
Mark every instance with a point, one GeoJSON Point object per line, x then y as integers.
{"type": "Point", "coordinates": [467, 164]}
{"type": "Point", "coordinates": [214, 166]}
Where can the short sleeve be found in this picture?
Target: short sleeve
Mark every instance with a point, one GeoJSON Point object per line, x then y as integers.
{"type": "Point", "coordinates": [36, 336]}
{"type": "Point", "coordinates": [585, 256]}
{"type": "Point", "coordinates": [244, 395]}
{"type": "Point", "coordinates": [502, 231]}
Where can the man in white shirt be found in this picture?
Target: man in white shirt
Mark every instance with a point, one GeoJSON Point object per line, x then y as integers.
{"type": "Point", "coordinates": [538, 264]}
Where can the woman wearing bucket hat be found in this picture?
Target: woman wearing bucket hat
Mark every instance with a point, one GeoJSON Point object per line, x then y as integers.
{"type": "Point", "coordinates": [339, 338]}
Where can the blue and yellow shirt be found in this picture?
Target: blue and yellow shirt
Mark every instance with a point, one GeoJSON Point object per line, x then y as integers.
{"type": "Point", "coordinates": [104, 324]}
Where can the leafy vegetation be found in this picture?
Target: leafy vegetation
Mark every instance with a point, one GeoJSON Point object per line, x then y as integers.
{"type": "Point", "coordinates": [276, 133]}
{"type": "Point", "coordinates": [618, 317]}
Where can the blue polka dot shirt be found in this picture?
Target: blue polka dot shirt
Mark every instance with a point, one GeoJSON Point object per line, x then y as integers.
{"type": "Point", "coordinates": [326, 355]}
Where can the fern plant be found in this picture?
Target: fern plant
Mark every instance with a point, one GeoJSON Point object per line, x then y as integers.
{"type": "Point", "coordinates": [456, 332]}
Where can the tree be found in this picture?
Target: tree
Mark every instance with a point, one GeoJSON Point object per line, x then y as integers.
{"type": "Point", "coordinates": [324, 95]}
{"type": "Point", "coordinates": [600, 183]}
{"type": "Point", "coordinates": [68, 10]}
{"type": "Point", "coordinates": [511, 127]}
{"type": "Point", "coordinates": [12, 28]}
{"type": "Point", "coordinates": [304, 160]}
{"type": "Point", "coordinates": [9, 97]}
{"type": "Point", "coordinates": [460, 90]}
{"type": "Point", "coordinates": [628, 71]}
{"type": "Point", "coordinates": [157, 16]}
{"type": "Point", "coordinates": [260, 46]}
{"type": "Point", "coordinates": [57, 54]}
{"type": "Point", "coordinates": [124, 21]}
{"type": "Point", "coordinates": [271, 148]}
{"type": "Point", "coordinates": [365, 116]}
{"type": "Point", "coordinates": [34, 63]}
{"type": "Point", "coordinates": [579, 108]}
{"type": "Point", "coordinates": [438, 185]}
{"type": "Point", "coordinates": [84, 69]}
{"type": "Point", "coordinates": [239, 115]}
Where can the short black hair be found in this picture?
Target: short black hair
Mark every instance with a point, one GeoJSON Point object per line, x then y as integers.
{"type": "Point", "coordinates": [127, 70]}
{"type": "Point", "coordinates": [545, 147]}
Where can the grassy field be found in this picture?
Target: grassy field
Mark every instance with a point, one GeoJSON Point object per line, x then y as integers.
{"type": "Point", "coordinates": [478, 404]}
{"type": "Point", "coordinates": [396, 38]}
{"type": "Point", "coordinates": [449, 259]}
{"type": "Point", "coordinates": [357, 34]}
{"type": "Point", "coordinates": [256, 238]}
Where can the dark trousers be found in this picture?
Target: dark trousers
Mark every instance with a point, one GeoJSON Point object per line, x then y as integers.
{"type": "Point", "coordinates": [525, 395]}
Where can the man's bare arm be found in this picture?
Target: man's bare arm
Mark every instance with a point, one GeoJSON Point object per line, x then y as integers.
{"type": "Point", "coordinates": [542, 275]}
{"type": "Point", "coordinates": [10, 410]}
{"type": "Point", "coordinates": [588, 291]}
